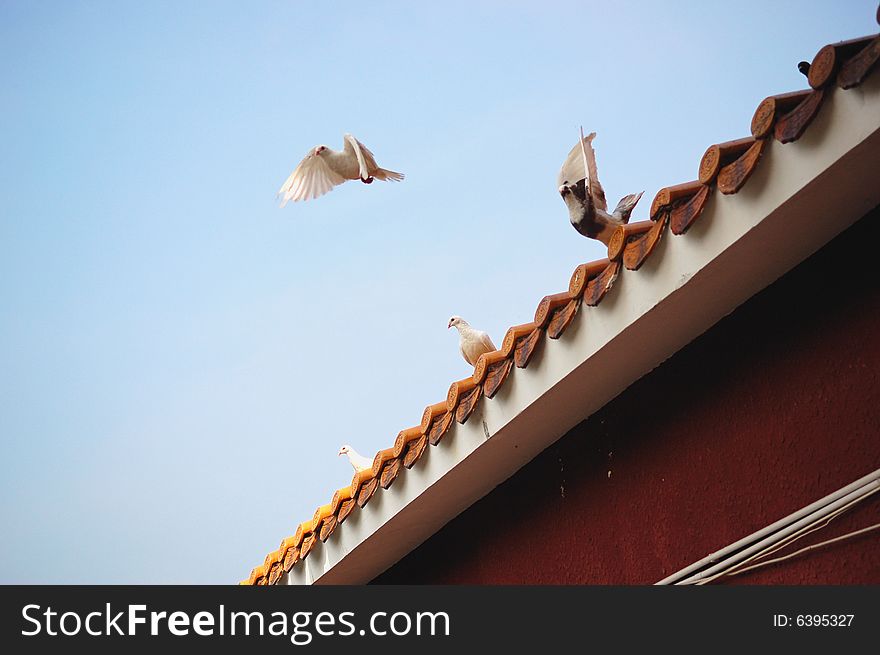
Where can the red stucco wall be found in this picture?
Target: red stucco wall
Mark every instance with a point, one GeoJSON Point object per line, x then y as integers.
{"type": "Point", "coordinates": [771, 409]}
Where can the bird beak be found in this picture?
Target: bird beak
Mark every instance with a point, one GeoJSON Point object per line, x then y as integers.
{"type": "Point", "coordinates": [449, 326]}
{"type": "Point", "coordinates": [339, 453]}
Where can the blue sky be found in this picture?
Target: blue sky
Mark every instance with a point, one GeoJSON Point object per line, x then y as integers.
{"type": "Point", "coordinates": [180, 359]}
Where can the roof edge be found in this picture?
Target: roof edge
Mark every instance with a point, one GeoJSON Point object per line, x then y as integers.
{"type": "Point", "coordinates": [802, 195]}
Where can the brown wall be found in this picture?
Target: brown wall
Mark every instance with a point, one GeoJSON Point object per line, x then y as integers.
{"type": "Point", "coordinates": [774, 407]}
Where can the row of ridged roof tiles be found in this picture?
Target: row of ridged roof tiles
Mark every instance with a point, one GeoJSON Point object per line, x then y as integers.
{"type": "Point", "coordinates": [725, 167]}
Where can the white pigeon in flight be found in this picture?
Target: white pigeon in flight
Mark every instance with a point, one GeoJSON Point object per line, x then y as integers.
{"type": "Point", "coordinates": [324, 168]}
{"type": "Point", "coordinates": [582, 192]}
{"type": "Point", "coordinates": [471, 342]}
{"type": "Point", "coordinates": [358, 461]}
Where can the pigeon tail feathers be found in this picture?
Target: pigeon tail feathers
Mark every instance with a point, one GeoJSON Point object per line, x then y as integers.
{"type": "Point", "coordinates": [625, 207]}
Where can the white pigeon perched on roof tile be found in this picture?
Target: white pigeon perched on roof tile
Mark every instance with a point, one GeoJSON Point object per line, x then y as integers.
{"type": "Point", "coordinates": [358, 461]}
{"type": "Point", "coordinates": [471, 342]}
{"type": "Point", "coordinates": [324, 168]}
{"type": "Point", "coordinates": [582, 192]}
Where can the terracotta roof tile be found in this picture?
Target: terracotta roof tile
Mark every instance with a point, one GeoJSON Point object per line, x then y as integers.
{"type": "Point", "coordinates": [340, 497]}
{"type": "Point", "coordinates": [687, 212]}
{"type": "Point", "coordinates": [829, 59]}
{"type": "Point", "coordinates": [721, 154]}
{"type": "Point", "coordinates": [328, 525]}
{"type": "Point", "coordinates": [440, 428]}
{"type": "Point", "coordinates": [725, 166]}
{"type": "Point", "coordinates": [732, 177]}
{"type": "Point", "coordinates": [415, 450]}
{"type": "Point", "coordinates": [857, 68]}
{"type": "Point", "coordinates": [301, 533]}
{"type": "Point", "coordinates": [467, 403]}
{"type": "Point", "coordinates": [581, 275]}
{"type": "Point", "coordinates": [562, 318]}
{"type": "Point", "coordinates": [380, 460]}
{"type": "Point", "coordinates": [547, 305]}
{"type": "Point", "coordinates": [435, 421]}
{"type": "Point", "coordinates": [290, 558]}
{"type": "Point", "coordinates": [322, 513]}
{"type": "Point", "coordinates": [346, 508]}
{"type": "Point", "coordinates": [496, 377]}
{"type": "Point", "coordinates": [404, 437]}
{"type": "Point", "coordinates": [338, 504]}
{"type": "Point", "coordinates": [363, 486]}
{"type": "Point", "coordinates": [431, 414]}
{"type": "Point", "coordinates": [457, 390]}
{"type": "Point", "coordinates": [289, 553]}
{"type": "Point", "coordinates": [492, 370]}
{"type": "Point", "coordinates": [275, 557]}
{"type": "Point", "coordinates": [525, 346]}
{"type": "Point", "coordinates": [624, 235]}
{"type": "Point", "coordinates": [366, 491]}
{"type": "Point", "coordinates": [668, 195]}
{"type": "Point", "coordinates": [275, 573]}
{"type": "Point", "coordinates": [307, 544]}
{"type": "Point", "coordinates": [771, 107]}
{"type": "Point", "coordinates": [791, 125]}
{"type": "Point", "coordinates": [598, 285]}
{"type": "Point", "coordinates": [639, 248]}
{"type": "Point", "coordinates": [513, 335]}
{"type": "Point", "coordinates": [487, 361]}
{"type": "Point", "coordinates": [256, 574]}
{"type": "Point", "coordinates": [359, 479]}
{"type": "Point", "coordinates": [390, 472]}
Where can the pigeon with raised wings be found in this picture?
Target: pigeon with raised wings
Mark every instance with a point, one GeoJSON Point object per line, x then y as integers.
{"type": "Point", "coordinates": [358, 461]}
{"type": "Point", "coordinates": [471, 342]}
{"type": "Point", "coordinates": [582, 192]}
{"type": "Point", "coordinates": [324, 168]}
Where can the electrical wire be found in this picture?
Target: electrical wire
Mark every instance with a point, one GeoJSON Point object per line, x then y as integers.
{"type": "Point", "coordinates": [807, 529]}
{"type": "Point", "coordinates": [805, 549]}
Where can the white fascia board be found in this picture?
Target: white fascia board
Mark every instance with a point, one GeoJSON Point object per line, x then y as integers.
{"type": "Point", "coordinates": [800, 196]}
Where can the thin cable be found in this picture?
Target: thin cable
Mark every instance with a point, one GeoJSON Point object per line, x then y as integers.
{"type": "Point", "coordinates": [819, 523]}
{"type": "Point", "coordinates": [718, 555]}
{"type": "Point", "coordinates": [824, 522]}
{"type": "Point", "coordinates": [774, 538]}
{"type": "Point", "coordinates": [827, 542]}
{"type": "Point", "coordinates": [809, 528]}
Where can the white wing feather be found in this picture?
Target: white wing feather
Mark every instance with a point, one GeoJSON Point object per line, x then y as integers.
{"type": "Point", "coordinates": [580, 164]}
{"type": "Point", "coordinates": [358, 461]}
{"type": "Point", "coordinates": [374, 169]}
{"type": "Point", "coordinates": [310, 179]}
{"type": "Point", "coordinates": [486, 342]}
{"type": "Point", "coordinates": [464, 354]}
{"type": "Point", "coordinates": [362, 165]}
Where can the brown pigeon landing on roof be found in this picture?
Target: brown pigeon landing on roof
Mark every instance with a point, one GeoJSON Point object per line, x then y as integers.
{"type": "Point", "coordinates": [582, 192]}
{"type": "Point", "coordinates": [324, 168]}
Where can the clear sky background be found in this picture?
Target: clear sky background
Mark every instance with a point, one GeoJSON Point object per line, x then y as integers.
{"type": "Point", "coordinates": [180, 359]}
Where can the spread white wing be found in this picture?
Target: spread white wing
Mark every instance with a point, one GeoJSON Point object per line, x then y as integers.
{"type": "Point", "coordinates": [581, 163]}
{"type": "Point", "coordinates": [310, 179]}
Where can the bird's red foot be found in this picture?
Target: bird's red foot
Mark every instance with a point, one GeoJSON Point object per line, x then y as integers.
{"type": "Point", "coordinates": [369, 180]}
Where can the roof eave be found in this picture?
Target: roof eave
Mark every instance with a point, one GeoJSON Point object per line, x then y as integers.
{"type": "Point", "coordinates": [801, 196]}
